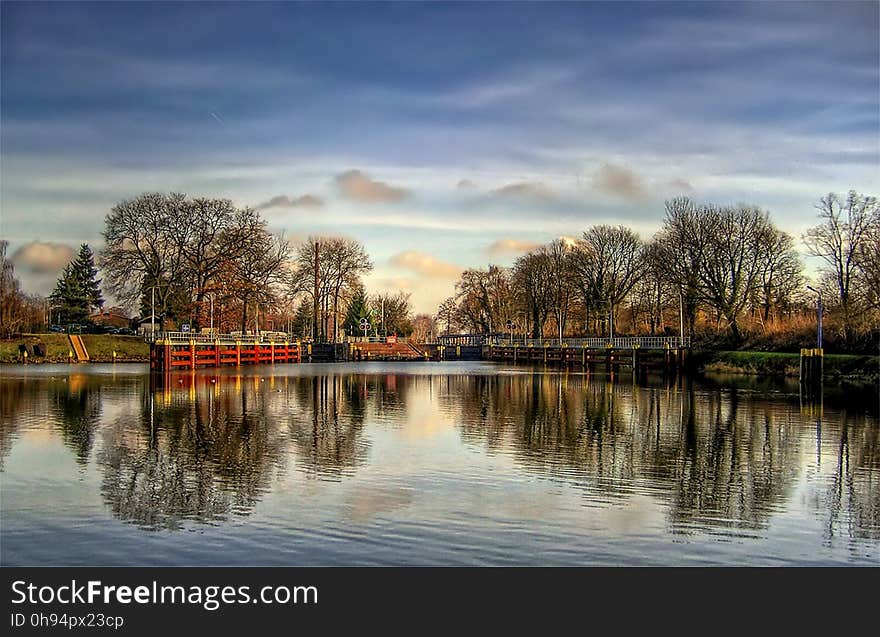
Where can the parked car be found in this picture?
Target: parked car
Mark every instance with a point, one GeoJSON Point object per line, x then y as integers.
{"type": "Point", "coordinates": [56, 328]}
{"type": "Point", "coordinates": [124, 331]}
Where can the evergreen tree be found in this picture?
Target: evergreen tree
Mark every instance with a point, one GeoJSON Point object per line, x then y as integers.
{"type": "Point", "coordinates": [302, 319]}
{"type": "Point", "coordinates": [85, 272]}
{"type": "Point", "coordinates": [358, 309]}
{"type": "Point", "coordinates": [69, 299]}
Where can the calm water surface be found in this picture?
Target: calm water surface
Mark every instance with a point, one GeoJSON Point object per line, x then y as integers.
{"type": "Point", "coordinates": [453, 463]}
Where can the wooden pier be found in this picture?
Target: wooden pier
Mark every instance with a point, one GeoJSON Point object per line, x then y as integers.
{"type": "Point", "coordinates": [610, 355]}
{"type": "Point", "coordinates": [179, 350]}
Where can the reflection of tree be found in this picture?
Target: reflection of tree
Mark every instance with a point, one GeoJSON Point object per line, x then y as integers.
{"type": "Point", "coordinates": [200, 454]}
{"type": "Point", "coordinates": [14, 392]}
{"type": "Point", "coordinates": [327, 428]}
{"type": "Point", "coordinates": [717, 461]}
{"type": "Point", "coordinates": [77, 405]}
{"type": "Point", "coordinates": [854, 490]}
{"type": "Point", "coordinates": [72, 403]}
{"type": "Point", "coordinates": [739, 463]}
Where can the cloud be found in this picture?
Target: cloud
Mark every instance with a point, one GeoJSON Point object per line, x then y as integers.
{"type": "Point", "coordinates": [534, 190]}
{"type": "Point", "coordinates": [42, 258]}
{"type": "Point", "coordinates": [681, 184]}
{"type": "Point", "coordinates": [283, 201]}
{"type": "Point", "coordinates": [466, 184]}
{"type": "Point", "coordinates": [356, 185]}
{"type": "Point", "coordinates": [425, 264]}
{"type": "Point", "coordinates": [619, 181]}
{"type": "Point", "coordinates": [511, 246]}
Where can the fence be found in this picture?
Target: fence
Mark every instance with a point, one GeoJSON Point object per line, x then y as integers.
{"type": "Point", "coordinates": [617, 342]}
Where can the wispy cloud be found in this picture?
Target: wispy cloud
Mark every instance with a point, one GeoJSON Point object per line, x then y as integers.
{"type": "Point", "coordinates": [425, 264]}
{"type": "Point", "coordinates": [356, 185]}
{"type": "Point", "coordinates": [619, 181]}
{"type": "Point", "coordinates": [502, 247]}
{"type": "Point", "coordinates": [532, 190]}
{"type": "Point", "coordinates": [283, 201]}
{"type": "Point", "coordinates": [682, 185]}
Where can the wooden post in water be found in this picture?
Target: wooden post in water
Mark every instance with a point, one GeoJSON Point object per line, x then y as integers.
{"type": "Point", "coordinates": [811, 367]}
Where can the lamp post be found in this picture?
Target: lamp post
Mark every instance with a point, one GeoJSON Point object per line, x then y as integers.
{"type": "Point", "coordinates": [212, 314]}
{"type": "Point", "coordinates": [818, 315]}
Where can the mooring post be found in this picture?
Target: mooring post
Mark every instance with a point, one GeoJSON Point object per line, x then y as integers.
{"type": "Point", "coordinates": [192, 354]}
{"type": "Point", "coordinates": [238, 353]}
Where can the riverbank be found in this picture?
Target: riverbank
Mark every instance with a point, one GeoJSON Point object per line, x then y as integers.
{"type": "Point", "coordinates": [133, 349]}
{"type": "Point", "coordinates": [99, 346]}
{"type": "Point", "coordinates": [837, 366]}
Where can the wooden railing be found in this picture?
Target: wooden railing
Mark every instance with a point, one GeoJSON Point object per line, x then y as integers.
{"type": "Point", "coordinates": [617, 342]}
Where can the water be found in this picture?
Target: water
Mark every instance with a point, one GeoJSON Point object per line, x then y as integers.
{"type": "Point", "coordinates": [428, 463]}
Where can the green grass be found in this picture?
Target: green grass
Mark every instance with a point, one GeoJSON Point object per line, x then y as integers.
{"type": "Point", "coordinates": [99, 346]}
{"type": "Point", "coordinates": [785, 364]}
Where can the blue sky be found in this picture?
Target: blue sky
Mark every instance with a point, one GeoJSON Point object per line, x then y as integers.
{"type": "Point", "coordinates": [443, 136]}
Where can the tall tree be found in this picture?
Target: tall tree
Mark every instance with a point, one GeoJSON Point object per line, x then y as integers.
{"type": "Point", "coordinates": [70, 301]}
{"type": "Point", "coordinates": [144, 249]}
{"type": "Point", "coordinates": [532, 277]}
{"type": "Point", "coordinates": [732, 260]}
{"type": "Point", "coordinates": [393, 313]}
{"type": "Point", "coordinates": [682, 243]}
{"type": "Point", "coordinates": [253, 276]}
{"type": "Point", "coordinates": [358, 309]}
{"type": "Point", "coordinates": [844, 229]}
{"type": "Point", "coordinates": [608, 262]}
{"type": "Point", "coordinates": [86, 273]}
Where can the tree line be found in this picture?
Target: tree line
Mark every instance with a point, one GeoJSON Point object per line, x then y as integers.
{"type": "Point", "coordinates": [206, 262]}
{"type": "Point", "coordinates": [722, 273]}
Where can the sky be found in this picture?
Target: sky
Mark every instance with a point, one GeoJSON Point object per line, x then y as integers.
{"type": "Point", "coordinates": [442, 136]}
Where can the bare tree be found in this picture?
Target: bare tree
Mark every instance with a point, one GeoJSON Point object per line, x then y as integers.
{"type": "Point", "coordinates": [532, 278]}
{"type": "Point", "coordinates": [260, 266]}
{"type": "Point", "coordinates": [608, 262]}
{"type": "Point", "coordinates": [563, 282]}
{"type": "Point", "coordinates": [682, 244]}
{"type": "Point", "coordinates": [840, 238]}
{"type": "Point", "coordinates": [779, 272]}
{"type": "Point", "coordinates": [732, 260]}
{"type": "Point", "coordinates": [144, 239]}
{"type": "Point", "coordinates": [653, 292]}
{"type": "Point", "coordinates": [447, 314]}
{"type": "Point", "coordinates": [485, 300]}
{"type": "Point", "coordinates": [218, 232]}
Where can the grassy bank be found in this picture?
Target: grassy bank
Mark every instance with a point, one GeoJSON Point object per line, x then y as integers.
{"type": "Point", "coordinates": [99, 346]}
{"type": "Point", "coordinates": [837, 366]}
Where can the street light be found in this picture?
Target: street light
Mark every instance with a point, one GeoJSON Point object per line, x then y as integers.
{"type": "Point", "coordinates": [818, 314]}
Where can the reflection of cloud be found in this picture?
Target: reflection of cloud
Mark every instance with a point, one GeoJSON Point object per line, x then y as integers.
{"type": "Point", "coordinates": [356, 185]}
{"type": "Point", "coordinates": [283, 201]}
{"type": "Point", "coordinates": [619, 181]}
{"type": "Point", "coordinates": [39, 257]}
{"type": "Point", "coordinates": [534, 190]}
{"type": "Point", "coordinates": [366, 502]}
{"type": "Point", "coordinates": [511, 246]}
{"type": "Point", "coordinates": [425, 264]}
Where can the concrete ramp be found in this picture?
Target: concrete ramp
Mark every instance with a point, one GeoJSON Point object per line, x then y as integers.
{"type": "Point", "coordinates": [79, 348]}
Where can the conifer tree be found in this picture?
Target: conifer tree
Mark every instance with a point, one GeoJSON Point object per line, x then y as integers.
{"type": "Point", "coordinates": [86, 273]}
{"type": "Point", "coordinates": [69, 300]}
{"type": "Point", "coordinates": [358, 309]}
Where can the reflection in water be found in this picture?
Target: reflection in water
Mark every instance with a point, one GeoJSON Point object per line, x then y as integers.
{"type": "Point", "coordinates": [718, 461]}
{"type": "Point", "coordinates": [206, 448]}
